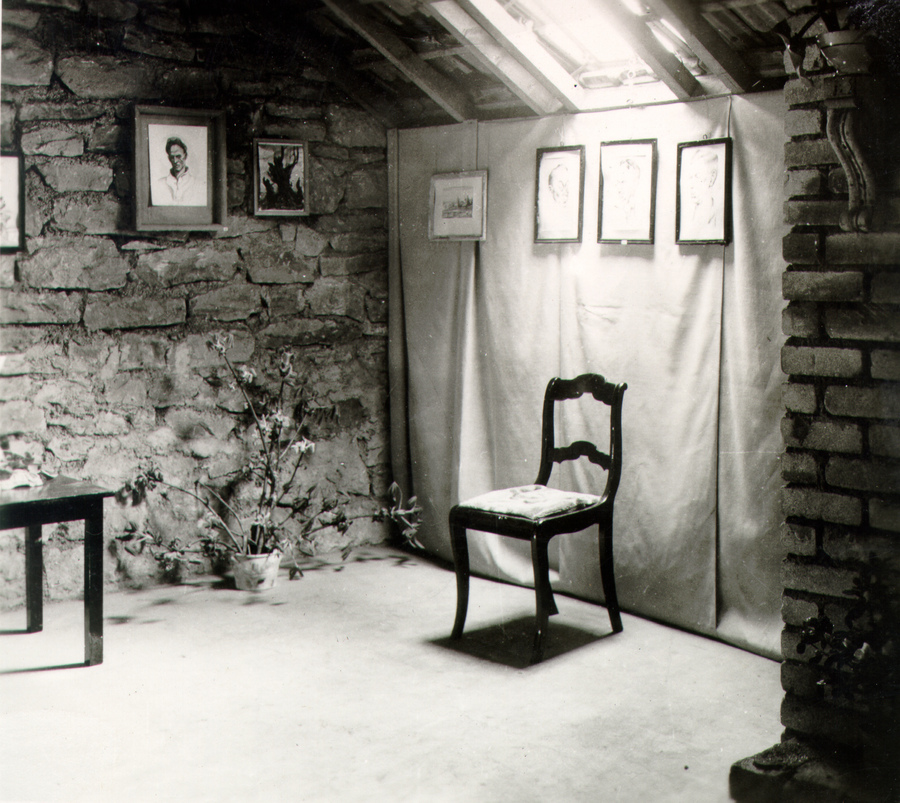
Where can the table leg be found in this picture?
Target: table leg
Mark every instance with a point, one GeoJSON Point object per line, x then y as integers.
{"type": "Point", "coordinates": [93, 584]}
{"type": "Point", "coordinates": [34, 579]}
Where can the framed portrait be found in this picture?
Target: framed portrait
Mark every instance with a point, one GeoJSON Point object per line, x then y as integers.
{"type": "Point", "coordinates": [559, 194]}
{"type": "Point", "coordinates": [703, 203]}
{"type": "Point", "coordinates": [627, 191]}
{"type": "Point", "coordinates": [458, 206]}
{"type": "Point", "coordinates": [12, 203]}
{"type": "Point", "coordinates": [280, 177]}
{"type": "Point", "coordinates": [179, 169]}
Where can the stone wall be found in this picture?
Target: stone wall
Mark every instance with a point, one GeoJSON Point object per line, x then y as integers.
{"type": "Point", "coordinates": [104, 329]}
{"type": "Point", "coordinates": [841, 464]}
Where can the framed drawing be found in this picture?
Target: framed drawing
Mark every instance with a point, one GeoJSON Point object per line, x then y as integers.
{"type": "Point", "coordinates": [559, 194]}
{"type": "Point", "coordinates": [458, 206]}
{"type": "Point", "coordinates": [627, 191]}
{"type": "Point", "coordinates": [12, 203]}
{"type": "Point", "coordinates": [703, 203]}
{"type": "Point", "coordinates": [280, 177]}
{"type": "Point", "coordinates": [179, 169]}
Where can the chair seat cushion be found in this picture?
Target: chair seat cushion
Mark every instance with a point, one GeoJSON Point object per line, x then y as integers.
{"type": "Point", "coordinates": [530, 501]}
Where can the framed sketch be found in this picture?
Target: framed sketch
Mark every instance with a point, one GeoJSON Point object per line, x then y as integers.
{"type": "Point", "coordinates": [559, 194]}
{"type": "Point", "coordinates": [179, 169]}
{"type": "Point", "coordinates": [703, 203]}
{"type": "Point", "coordinates": [627, 191]}
{"type": "Point", "coordinates": [458, 206]}
{"type": "Point", "coordinates": [280, 177]}
{"type": "Point", "coordinates": [12, 203]}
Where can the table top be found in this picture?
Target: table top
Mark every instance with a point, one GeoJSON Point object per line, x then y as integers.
{"type": "Point", "coordinates": [58, 488]}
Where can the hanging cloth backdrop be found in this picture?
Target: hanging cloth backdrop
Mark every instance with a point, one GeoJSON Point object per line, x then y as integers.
{"type": "Point", "coordinates": [693, 329]}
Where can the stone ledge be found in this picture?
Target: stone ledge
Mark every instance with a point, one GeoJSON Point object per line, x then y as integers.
{"type": "Point", "coordinates": [789, 772]}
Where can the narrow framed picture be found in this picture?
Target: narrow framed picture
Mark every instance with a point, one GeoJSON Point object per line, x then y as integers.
{"type": "Point", "coordinates": [627, 191]}
{"type": "Point", "coordinates": [179, 169]}
{"type": "Point", "coordinates": [12, 203]}
{"type": "Point", "coordinates": [559, 194]}
{"type": "Point", "coordinates": [703, 203]}
{"type": "Point", "coordinates": [280, 178]}
{"type": "Point", "coordinates": [458, 206]}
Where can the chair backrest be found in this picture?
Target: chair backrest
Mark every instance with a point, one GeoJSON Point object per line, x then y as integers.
{"type": "Point", "coordinates": [603, 391]}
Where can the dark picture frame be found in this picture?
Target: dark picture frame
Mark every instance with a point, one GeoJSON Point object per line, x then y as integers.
{"type": "Point", "coordinates": [12, 202]}
{"type": "Point", "coordinates": [558, 205]}
{"type": "Point", "coordinates": [703, 204]}
{"type": "Point", "coordinates": [280, 177]}
{"type": "Point", "coordinates": [457, 208]}
{"type": "Point", "coordinates": [627, 210]}
{"type": "Point", "coordinates": [169, 199]}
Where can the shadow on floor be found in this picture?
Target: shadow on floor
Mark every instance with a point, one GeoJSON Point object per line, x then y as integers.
{"type": "Point", "coordinates": [509, 643]}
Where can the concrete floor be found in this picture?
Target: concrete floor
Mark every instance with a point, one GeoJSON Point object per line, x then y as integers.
{"type": "Point", "coordinates": [342, 686]}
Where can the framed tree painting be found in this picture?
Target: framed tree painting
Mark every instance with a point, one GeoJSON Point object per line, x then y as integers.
{"type": "Point", "coordinates": [458, 206]}
{"type": "Point", "coordinates": [280, 178]}
{"type": "Point", "coordinates": [179, 169]}
{"type": "Point", "coordinates": [703, 203]}
{"type": "Point", "coordinates": [559, 194]}
{"type": "Point", "coordinates": [627, 191]}
{"type": "Point", "coordinates": [12, 203]}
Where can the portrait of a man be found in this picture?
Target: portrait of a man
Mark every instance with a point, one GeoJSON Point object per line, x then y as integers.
{"type": "Point", "coordinates": [558, 204]}
{"type": "Point", "coordinates": [178, 165]}
{"type": "Point", "coordinates": [704, 187]}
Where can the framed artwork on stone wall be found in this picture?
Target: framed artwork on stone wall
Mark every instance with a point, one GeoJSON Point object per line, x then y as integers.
{"type": "Point", "coordinates": [627, 191]}
{"type": "Point", "coordinates": [458, 206]}
{"type": "Point", "coordinates": [703, 203]}
{"type": "Point", "coordinates": [12, 203]}
{"type": "Point", "coordinates": [280, 177]}
{"type": "Point", "coordinates": [179, 169]}
{"type": "Point", "coordinates": [559, 194]}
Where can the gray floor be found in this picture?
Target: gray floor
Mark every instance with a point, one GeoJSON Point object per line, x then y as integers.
{"type": "Point", "coordinates": [342, 686]}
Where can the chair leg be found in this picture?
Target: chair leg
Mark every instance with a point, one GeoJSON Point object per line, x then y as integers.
{"type": "Point", "coordinates": [608, 576]}
{"type": "Point", "coordinates": [543, 595]}
{"type": "Point", "coordinates": [461, 562]}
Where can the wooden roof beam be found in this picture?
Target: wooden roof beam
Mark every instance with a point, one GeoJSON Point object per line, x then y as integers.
{"type": "Point", "coordinates": [718, 56]}
{"type": "Point", "coordinates": [526, 49]}
{"type": "Point", "coordinates": [433, 83]}
{"type": "Point", "coordinates": [664, 64]}
{"type": "Point", "coordinates": [494, 58]}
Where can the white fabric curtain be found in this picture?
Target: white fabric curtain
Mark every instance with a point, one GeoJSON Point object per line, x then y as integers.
{"type": "Point", "coordinates": [693, 330]}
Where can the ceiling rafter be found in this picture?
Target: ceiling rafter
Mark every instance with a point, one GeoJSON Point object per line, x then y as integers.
{"type": "Point", "coordinates": [664, 64]}
{"type": "Point", "coordinates": [718, 56]}
{"type": "Point", "coordinates": [494, 58]}
{"type": "Point", "coordinates": [522, 44]}
{"type": "Point", "coordinates": [438, 87]}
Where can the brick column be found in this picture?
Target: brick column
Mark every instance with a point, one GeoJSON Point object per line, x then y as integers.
{"type": "Point", "coordinates": [841, 429]}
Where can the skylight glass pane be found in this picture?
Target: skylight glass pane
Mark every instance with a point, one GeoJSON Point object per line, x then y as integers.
{"type": "Point", "coordinates": [583, 40]}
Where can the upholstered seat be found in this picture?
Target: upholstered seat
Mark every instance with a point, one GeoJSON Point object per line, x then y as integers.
{"type": "Point", "coordinates": [530, 501]}
{"type": "Point", "coordinates": [537, 513]}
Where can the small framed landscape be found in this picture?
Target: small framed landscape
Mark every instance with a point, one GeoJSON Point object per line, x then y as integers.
{"type": "Point", "coordinates": [627, 191]}
{"type": "Point", "coordinates": [280, 178]}
{"type": "Point", "coordinates": [179, 169]}
{"type": "Point", "coordinates": [12, 203]}
{"type": "Point", "coordinates": [559, 194]}
{"type": "Point", "coordinates": [703, 203]}
{"type": "Point", "coordinates": [458, 206]}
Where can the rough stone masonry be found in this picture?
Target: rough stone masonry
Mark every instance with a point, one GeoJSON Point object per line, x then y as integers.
{"type": "Point", "coordinates": [102, 344]}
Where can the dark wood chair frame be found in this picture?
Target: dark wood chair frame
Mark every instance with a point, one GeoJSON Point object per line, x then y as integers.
{"type": "Point", "coordinates": [540, 531]}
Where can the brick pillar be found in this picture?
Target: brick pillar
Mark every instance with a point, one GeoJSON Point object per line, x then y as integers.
{"type": "Point", "coordinates": [841, 464]}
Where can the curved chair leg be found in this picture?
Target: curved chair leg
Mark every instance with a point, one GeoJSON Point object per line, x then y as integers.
{"type": "Point", "coordinates": [543, 595]}
{"type": "Point", "coordinates": [461, 563]}
{"type": "Point", "coordinates": [607, 575]}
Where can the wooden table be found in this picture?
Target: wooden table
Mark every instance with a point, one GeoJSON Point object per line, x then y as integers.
{"type": "Point", "coordinates": [61, 499]}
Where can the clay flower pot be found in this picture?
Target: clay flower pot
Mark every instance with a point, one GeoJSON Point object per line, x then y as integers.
{"type": "Point", "coordinates": [846, 51]}
{"type": "Point", "coordinates": [256, 572]}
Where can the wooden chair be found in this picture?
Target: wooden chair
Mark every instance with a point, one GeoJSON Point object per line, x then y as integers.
{"type": "Point", "coordinates": [536, 513]}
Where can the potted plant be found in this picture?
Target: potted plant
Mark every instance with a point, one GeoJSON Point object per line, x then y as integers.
{"type": "Point", "coordinates": [247, 519]}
